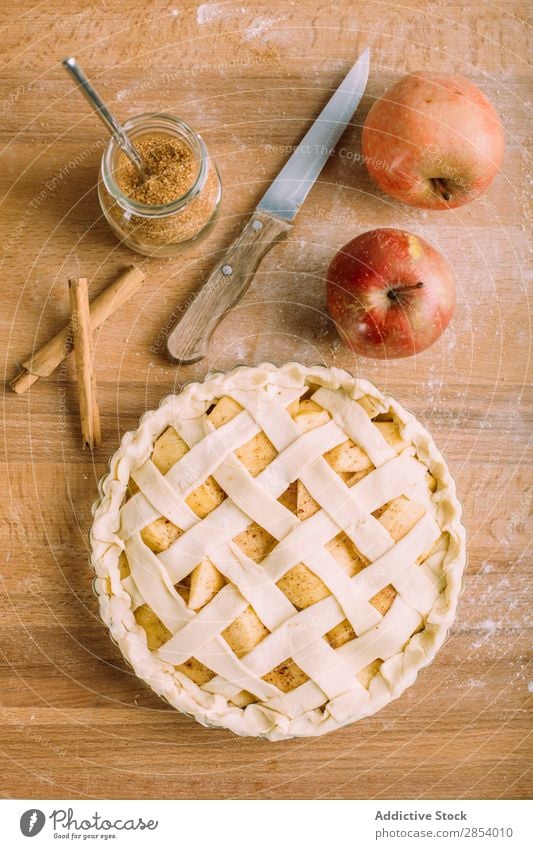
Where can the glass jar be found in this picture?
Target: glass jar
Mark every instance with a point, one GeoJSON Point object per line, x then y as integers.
{"type": "Point", "coordinates": [167, 228]}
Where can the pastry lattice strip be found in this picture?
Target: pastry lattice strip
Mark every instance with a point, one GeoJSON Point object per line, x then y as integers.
{"type": "Point", "coordinates": [307, 657]}
{"type": "Point", "coordinates": [408, 469]}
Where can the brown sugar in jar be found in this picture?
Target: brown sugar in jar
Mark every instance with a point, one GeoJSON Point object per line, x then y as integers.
{"type": "Point", "coordinates": [172, 165]}
{"type": "Point", "coordinates": [177, 203]}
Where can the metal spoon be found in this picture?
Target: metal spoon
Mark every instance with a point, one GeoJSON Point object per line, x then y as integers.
{"type": "Point", "coordinates": [116, 129]}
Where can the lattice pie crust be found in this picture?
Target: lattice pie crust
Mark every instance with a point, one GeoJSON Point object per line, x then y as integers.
{"type": "Point", "coordinates": [278, 551]}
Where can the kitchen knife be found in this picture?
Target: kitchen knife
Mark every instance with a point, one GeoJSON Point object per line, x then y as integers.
{"type": "Point", "coordinates": [270, 223]}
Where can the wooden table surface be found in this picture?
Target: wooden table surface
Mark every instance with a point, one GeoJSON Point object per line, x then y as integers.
{"type": "Point", "coordinates": [74, 720]}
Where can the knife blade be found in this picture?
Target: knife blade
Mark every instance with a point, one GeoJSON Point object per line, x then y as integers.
{"type": "Point", "coordinates": [188, 341]}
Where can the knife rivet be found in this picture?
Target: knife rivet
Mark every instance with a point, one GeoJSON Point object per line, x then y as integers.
{"type": "Point", "coordinates": [227, 270]}
{"type": "Point", "coordinates": [257, 225]}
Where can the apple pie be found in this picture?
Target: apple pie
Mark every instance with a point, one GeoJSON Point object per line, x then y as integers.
{"type": "Point", "coordinates": [278, 551]}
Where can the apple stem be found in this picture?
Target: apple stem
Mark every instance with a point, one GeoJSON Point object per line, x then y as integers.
{"type": "Point", "coordinates": [440, 188]}
{"type": "Point", "coordinates": [394, 293]}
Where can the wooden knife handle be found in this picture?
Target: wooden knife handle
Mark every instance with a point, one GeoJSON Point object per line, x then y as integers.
{"type": "Point", "coordinates": [189, 339]}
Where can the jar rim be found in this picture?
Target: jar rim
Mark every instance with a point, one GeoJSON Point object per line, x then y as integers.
{"type": "Point", "coordinates": [160, 121]}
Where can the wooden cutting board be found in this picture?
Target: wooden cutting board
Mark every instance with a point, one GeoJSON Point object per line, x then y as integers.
{"type": "Point", "coordinates": [74, 721]}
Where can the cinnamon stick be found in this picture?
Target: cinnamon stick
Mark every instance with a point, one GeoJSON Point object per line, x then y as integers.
{"type": "Point", "coordinates": [47, 358]}
{"type": "Point", "coordinates": [83, 353]}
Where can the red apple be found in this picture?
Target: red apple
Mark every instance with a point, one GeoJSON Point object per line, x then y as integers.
{"type": "Point", "coordinates": [433, 141]}
{"type": "Point", "coordinates": [390, 294]}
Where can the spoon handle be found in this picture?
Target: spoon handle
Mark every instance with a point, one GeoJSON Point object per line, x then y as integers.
{"type": "Point", "coordinates": [104, 114]}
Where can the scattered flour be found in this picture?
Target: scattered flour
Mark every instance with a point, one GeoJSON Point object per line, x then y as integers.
{"type": "Point", "coordinates": [488, 627]}
{"type": "Point", "coordinates": [530, 687]}
{"type": "Point", "coordinates": [209, 12]}
{"type": "Point", "coordinates": [259, 25]}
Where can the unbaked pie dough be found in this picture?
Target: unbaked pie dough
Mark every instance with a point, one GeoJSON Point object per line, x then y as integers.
{"type": "Point", "coordinates": [278, 551]}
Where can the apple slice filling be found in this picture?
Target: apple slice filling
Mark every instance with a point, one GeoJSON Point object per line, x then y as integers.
{"type": "Point", "coordinates": [301, 586]}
